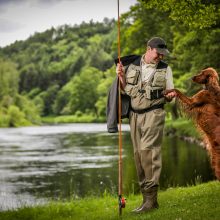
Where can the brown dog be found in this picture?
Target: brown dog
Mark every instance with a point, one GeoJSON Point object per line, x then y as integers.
{"type": "Point", "coordinates": [204, 109]}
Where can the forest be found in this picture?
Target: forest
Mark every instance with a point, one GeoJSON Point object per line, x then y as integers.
{"type": "Point", "coordinates": [66, 71]}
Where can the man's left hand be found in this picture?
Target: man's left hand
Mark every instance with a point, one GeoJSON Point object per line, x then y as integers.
{"type": "Point", "coordinates": [169, 96]}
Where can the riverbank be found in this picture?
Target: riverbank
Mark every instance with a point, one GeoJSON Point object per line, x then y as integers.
{"type": "Point", "coordinates": [82, 118]}
{"type": "Point", "coordinates": [182, 203]}
{"type": "Point", "coordinates": [181, 127]}
{"type": "Point", "coordinates": [184, 129]}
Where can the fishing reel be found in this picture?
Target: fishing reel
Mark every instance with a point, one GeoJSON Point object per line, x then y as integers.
{"type": "Point", "coordinates": [121, 201]}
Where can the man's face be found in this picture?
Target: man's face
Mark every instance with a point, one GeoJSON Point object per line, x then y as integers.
{"type": "Point", "coordinates": [155, 57]}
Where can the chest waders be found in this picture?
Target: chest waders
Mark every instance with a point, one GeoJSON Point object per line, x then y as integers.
{"type": "Point", "coordinates": [147, 118]}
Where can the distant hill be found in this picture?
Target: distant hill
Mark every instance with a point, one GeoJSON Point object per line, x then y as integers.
{"type": "Point", "coordinates": [67, 71]}
{"type": "Point", "coordinates": [47, 63]}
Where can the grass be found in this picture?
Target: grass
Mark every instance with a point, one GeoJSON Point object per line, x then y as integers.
{"type": "Point", "coordinates": [200, 202]}
{"type": "Point", "coordinates": [181, 127]}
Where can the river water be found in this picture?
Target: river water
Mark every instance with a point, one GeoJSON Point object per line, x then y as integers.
{"type": "Point", "coordinates": [61, 162]}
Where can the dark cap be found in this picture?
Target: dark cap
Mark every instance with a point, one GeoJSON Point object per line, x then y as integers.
{"type": "Point", "coordinates": [159, 44]}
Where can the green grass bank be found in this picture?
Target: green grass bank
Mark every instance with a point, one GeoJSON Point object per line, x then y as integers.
{"type": "Point", "coordinates": [82, 118]}
{"type": "Point", "coordinates": [200, 202]}
{"type": "Point", "coordinates": [181, 126]}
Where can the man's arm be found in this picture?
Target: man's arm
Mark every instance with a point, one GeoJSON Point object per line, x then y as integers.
{"type": "Point", "coordinates": [121, 75]}
{"type": "Point", "coordinates": [169, 85]}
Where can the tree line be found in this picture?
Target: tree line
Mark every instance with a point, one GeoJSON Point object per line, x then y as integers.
{"type": "Point", "coordinates": [68, 70]}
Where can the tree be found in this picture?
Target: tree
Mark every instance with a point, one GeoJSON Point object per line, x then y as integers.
{"type": "Point", "coordinates": [62, 99]}
{"type": "Point", "coordinates": [29, 77]}
{"type": "Point", "coordinates": [140, 24]}
{"type": "Point", "coordinates": [8, 78]}
{"type": "Point", "coordinates": [84, 90]}
{"type": "Point", "coordinates": [103, 89]}
{"type": "Point", "coordinates": [49, 97]}
{"type": "Point", "coordinates": [54, 57]}
{"type": "Point", "coordinates": [194, 14]}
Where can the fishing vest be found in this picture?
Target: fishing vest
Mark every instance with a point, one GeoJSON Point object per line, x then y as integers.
{"type": "Point", "coordinates": [145, 95]}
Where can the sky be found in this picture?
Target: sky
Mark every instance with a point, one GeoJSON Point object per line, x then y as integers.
{"type": "Point", "coordinates": [20, 19]}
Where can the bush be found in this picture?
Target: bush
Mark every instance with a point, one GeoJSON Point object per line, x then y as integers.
{"type": "Point", "coordinates": [31, 112]}
{"type": "Point", "coordinates": [4, 118]}
{"type": "Point", "coordinates": [16, 117]}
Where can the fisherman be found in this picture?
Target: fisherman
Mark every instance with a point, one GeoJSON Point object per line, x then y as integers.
{"type": "Point", "coordinates": [144, 79]}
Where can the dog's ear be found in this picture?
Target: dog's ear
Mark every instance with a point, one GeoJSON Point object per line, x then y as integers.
{"type": "Point", "coordinates": [212, 75]}
{"type": "Point", "coordinates": [206, 72]}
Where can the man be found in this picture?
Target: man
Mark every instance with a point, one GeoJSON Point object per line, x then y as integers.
{"type": "Point", "coordinates": [144, 79]}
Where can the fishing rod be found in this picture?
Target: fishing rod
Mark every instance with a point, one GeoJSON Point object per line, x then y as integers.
{"type": "Point", "coordinates": [121, 199]}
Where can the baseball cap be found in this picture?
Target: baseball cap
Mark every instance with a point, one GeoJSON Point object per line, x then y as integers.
{"type": "Point", "coordinates": [159, 44]}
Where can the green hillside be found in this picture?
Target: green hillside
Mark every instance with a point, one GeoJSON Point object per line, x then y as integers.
{"type": "Point", "coordinates": [66, 71]}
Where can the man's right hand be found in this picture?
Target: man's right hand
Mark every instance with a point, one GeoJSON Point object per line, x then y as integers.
{"type": "Point", "coordinates": [121, 74]}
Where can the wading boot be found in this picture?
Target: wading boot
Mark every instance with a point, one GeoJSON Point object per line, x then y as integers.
{"type": "Point", "coordinates": [151, 201]}
{"type": "Point", "coordinates": [144, 200]}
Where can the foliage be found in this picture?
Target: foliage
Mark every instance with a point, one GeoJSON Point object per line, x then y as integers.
{"type": "Point", "coordinates": [197, 50]}
{"type": "Point", "coordinates": [80, 93]}
{"type": "Point", "coordinates": [182, 128]}
{"type": "Point", "coordinates": [48, 98]}
{"type": "Point", "coordinates": [8, 78]}
{"type": "Point", "coordinates": [30, 110]}
{"type": "Point", "coordinates": [60, 105]}
{"type": "Point", "coordinates": [16, 117]}
{"type": "Point", "coordinates": [48, 62]}
{"type": "Point", "coordinates": [195, 14]}
{"type": "Point", "coordinates": [70, 68]}
{"type": "Point", "coordinates": [84, 90]}
{"type": "Point", "coordinates": [15, 110]}
{"type": "Point", "coordinates": [4, 118]}
{"type": "Point", "coordinates": [192, 36]}
{"type": "Point", "coordinates": [102, 90]}
{"type": "Point", "coordinates": [194, 202]}
{"type": "Point", "coordinates": [140, 24]}
{"type": "Point", "coordinates": [78, 117]}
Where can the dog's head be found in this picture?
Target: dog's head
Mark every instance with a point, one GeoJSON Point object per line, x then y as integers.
{"type": "Point", "coordinates": [206, 76]}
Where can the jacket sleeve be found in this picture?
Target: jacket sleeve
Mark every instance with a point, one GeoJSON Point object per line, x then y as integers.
{"type": "Point", "coordinates": [112, 108]}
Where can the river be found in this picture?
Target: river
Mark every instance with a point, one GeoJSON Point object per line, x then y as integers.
{"type": "Point", "coordinates": [61, 162]}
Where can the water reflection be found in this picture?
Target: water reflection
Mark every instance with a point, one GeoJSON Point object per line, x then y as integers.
{"type": "Point", "coordinates": [61, 162]}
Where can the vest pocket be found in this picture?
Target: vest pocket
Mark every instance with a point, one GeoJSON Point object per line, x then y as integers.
{"type": "Point", "coordinates": [159, 79]}
{"type": "Point", "coordinates": [132, 77]}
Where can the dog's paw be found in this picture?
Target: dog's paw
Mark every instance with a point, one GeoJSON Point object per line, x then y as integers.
{"type": "Point", "coordinates": [167, 91]}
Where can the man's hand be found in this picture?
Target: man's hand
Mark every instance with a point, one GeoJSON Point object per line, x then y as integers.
{"type": "Point", "coordinates": [121, 75]}
{"type": "Point", "coordinates": [169, 95]}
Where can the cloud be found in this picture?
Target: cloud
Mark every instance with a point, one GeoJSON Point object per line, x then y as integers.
{"type": "Point", "coordinates": [43, 3]}
{"type": "Point", "coordinates": [32, 2]}
{"type": "Point", "coordinates": [21, 18]}
{"type": "Point", "coordinates": [6, 4]}
{"type": "Point", "coordinates": [9, 26]}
